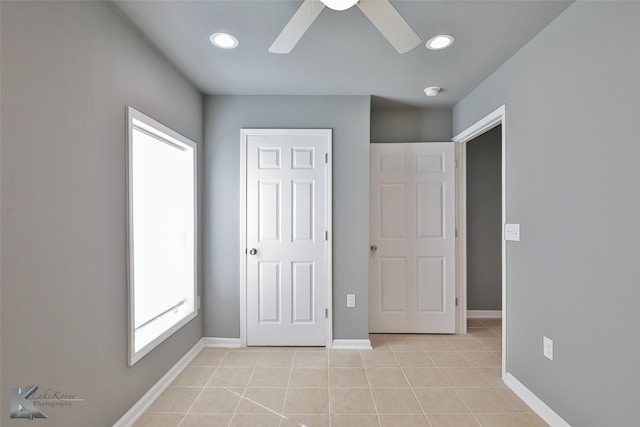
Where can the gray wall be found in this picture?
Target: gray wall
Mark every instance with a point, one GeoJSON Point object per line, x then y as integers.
{"type": "Point", "coordinates": [411, 124]}
{"type": "Point", "coordinates": [68, 71]}
{"type": "Point", "coordinates": [572, 100]}
{"type": "Point", "coordinates": [484, 221]}
{"type": "Point", "coordinates": [348, 116]}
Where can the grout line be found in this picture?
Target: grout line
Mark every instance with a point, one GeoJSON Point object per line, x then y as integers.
{"type": "Point", "coordinates": [205, 385]}
{"type": "Point", "coordinates": [409, 382]}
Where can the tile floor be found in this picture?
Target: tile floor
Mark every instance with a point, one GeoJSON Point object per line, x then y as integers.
{"type": "Point", "coordinates": [406, 380]}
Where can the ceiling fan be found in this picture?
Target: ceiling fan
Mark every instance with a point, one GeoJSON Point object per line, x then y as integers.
{"type": "Point", "coordinates": [381, 13]}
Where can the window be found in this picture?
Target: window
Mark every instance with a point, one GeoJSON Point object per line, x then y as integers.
{"type": "Point", "coordinates": [162, 189]}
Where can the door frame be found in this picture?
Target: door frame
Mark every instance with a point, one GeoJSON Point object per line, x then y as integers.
{"type": "Point", "coordinates": [328, 275]}
{"type": "Point", "coordinates": [491, 120]}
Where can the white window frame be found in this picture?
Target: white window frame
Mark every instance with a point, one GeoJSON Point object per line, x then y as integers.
{"type": "Point", "coordinates": [168, 323]}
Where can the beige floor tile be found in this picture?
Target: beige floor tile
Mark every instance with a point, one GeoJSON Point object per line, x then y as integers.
{"type": "Point", "coordinates": [351, 401]}
{"type": "Point", "coordinates": [276, 359]}
{"type": "Point", "coordinates": [502, 420]}
{"type": "Point", "coordinates": [209, 357]}
{"type": "Point", "coordinates": [414, 420]}
{"type": "Point", "coordinates": [255, 420]}
{"type": "Point", "coordinates": [485, 400]}
{"type": "Point", "coordinates": [449, 359]}
{"type": "Point", "coordinates": [378, 359]}
{"type": "Point", "coordinates": [535, 420]}
{"type": "Point", "coordinates": [515, 401]}
{"type": "Point", "coordinates": [354, 421]}
{"type": "Point", "coordinates": [159, 420]}
{"type": "Point", "coordinates": [230, 377]}
{"type": "Point", "coordinates": [436, 400]}
{"type": "Point", "coordinates": [194, 376]}
{"type": "Point", "coordinates": [415, 359]}
{"type": "Point", "coordinates": [395, 401]}
{"type": "Point", "coordinates": [464, 377]}
{"type": "Point", "coordinates": [216, 400]}
{"type": "Point", "coordinates": [474, 323]}
{"type": "Point", "coordinates": [481, 332]}
{"type": "Point", "coordinates": [241, 359]}
{"type": "Point", "coordinates": [311, 359]}
{"type": "Point", "coordinates": [491, 343]}
{"type": "Point", "coordinates": [175, 399]}
{"type": "Point", "coordinates": [437, 345]}
{"type": "Point", "coordinates": [497, 331]}
{"type": "Point", "coordinates": [470, 344]}
{"type": "Point", "coordinates": [482, 359]}
{"type": "Point", "coordinates": [262, 401]}
{"type": "Point", "coordinates": [348, 377]}
{"type": "Point", "coordinates": [206, 420]}
{"type": "Point", "coordinates": [453, 420]}
{"type": "Point", "coordinates": [307, 401]}
{"type": "Point", "coordinates": [345, 359]}
{"type": "Point", "coordinates": [426, 377]}
{"type": "Point", "coordinates": [305, 420]}
{"type": "Point", "coordinates": [491, 322]}
{"type": "Point", "coordinates": [270, 377]}
{"type": "Point", "coordinates": [405, 345]}
{"type": "Point", "coordinates": [309, 377]}
{"type": "Point", "coordinates": [386, 377]}
{"type": "Point", "coordinates": [379, 342]}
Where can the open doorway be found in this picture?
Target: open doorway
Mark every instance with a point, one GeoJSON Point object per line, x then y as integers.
{"type": "Point", "coordinates": [491, 127]}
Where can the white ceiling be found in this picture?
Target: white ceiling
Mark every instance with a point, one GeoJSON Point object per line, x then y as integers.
{"type": "Point", "coordinates": [342, 53]}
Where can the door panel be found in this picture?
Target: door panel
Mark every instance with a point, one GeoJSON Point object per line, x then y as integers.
{"type": "Point", "coordinates": [412, 273]}
{"type": "Point", "coordinates": [286, 214]}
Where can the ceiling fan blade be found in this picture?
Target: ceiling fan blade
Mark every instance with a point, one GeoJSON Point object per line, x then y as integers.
{"type": "Point", "coordinates": [297, 26]}
{"type": "Point", "coordinates": [391, 24]}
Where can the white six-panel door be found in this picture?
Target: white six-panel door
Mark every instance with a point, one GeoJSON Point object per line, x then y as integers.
{"type": "Point", "coordinates": [286, 236]}
{"type": "Point", "coordinates": [412, 231]}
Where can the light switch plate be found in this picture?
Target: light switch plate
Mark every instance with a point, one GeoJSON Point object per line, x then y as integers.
{"type": "Point", "coordinates": [547, 347]}
{"type": "Point", "coordinates": [351, 300]}
{"type": "Point", "coordinates": [512, 232]}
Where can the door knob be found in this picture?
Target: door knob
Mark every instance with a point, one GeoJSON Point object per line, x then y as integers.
{"type": "Point", "coordinates": [374, 248]}
{"type": "Point", "coordinates": [253, 251]}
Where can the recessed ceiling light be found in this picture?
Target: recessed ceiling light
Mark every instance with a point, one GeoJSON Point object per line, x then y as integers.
{"type": "Point", "coordinates": [224, 40]}
{"type": "Point", "coordinates": [439, 42]}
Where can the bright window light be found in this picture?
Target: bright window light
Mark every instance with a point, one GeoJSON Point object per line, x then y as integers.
{"type": "Point", "coordinates": [162, 233]}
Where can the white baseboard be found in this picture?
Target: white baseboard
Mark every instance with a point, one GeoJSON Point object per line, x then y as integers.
{"type": "Point", "coordinates": [221, 342]}
{"type": "Point", "coordinates": [352, 345]}
{"type": "Point", "coordinates": [534, 402]}
{"type": "Point", "coordinates": [484, 314]}
{"type": "Point", "coordinates": [137, 410]}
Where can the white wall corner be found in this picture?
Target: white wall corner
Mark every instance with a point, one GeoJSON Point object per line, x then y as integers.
{"type": "Point", "coordinates": [534, 402]}
{"type": "Point", "coordinates": [364, 344]}
{"type": "Point", "coordinates": [140, 407]}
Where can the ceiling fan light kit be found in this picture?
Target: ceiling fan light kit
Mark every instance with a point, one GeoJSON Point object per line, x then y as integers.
{"type": "Point", "coordinates": [339, 4]}
{"type": "Point", "coordinates": [381, 13]}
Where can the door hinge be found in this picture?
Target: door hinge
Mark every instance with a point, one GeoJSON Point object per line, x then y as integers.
{"type": "Point", "coordinates": [326, 234]}
{"type": "Point", "coordinates": [456, 301]}
{"type": "Point", "coordinates": [456, 164]}
{"type": "Point", "coordinates": [326, 157]}
{"type": "Point", "coordinates": [456, 232]}
{"type": "Point", "coordinates": [326, 313]}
